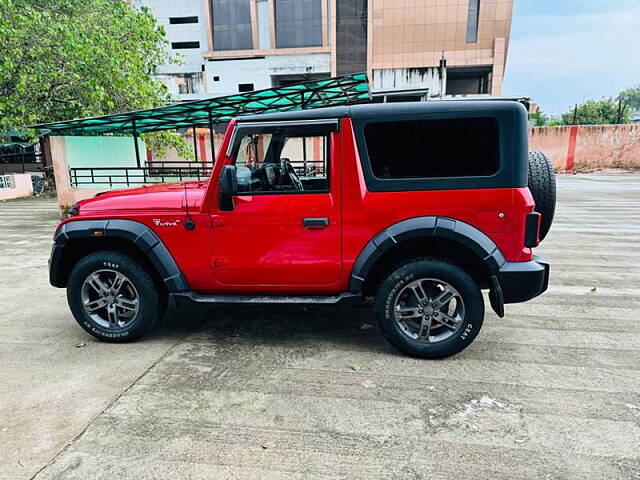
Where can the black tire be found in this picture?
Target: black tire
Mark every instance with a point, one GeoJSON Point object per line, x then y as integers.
{"type": "Point", "coordinates": [542, 183]}
{"type": "Point", "coordinates": [150, 304]}
{"type": "Point", "coordinates": [394, 285]}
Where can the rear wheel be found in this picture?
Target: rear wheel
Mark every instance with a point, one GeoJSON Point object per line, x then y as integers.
{"type": "Point", "coordinates": [113, 297]}
{"type": "Point", "coordinates": [429, 309]}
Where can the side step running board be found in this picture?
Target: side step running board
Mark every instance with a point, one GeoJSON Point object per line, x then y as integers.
{"type": "Point", "coordinates": [193, 298]}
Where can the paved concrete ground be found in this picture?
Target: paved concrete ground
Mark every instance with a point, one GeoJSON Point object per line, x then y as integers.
{"type": "Point", "coordinates": [551, 391]}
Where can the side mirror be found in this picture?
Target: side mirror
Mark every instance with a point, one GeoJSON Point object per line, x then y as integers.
{"type": "Point", "coordinates": [228, 187]}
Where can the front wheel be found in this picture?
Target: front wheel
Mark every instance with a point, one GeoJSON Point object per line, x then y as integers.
{"type": "Point", "coordinates": [429, 309]}
{"type": "Point", "coordinates": [113, 297]}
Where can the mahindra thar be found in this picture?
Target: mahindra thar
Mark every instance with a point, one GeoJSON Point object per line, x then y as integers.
{"type": "Point", "coordinates": [419, 206]}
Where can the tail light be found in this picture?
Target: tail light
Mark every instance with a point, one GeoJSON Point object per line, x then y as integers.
{"type": "Point", "coordinates": [532, 230]}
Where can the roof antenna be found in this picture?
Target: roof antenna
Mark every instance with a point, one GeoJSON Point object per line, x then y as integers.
{"type": "Point", "coordinates": [189, 224]}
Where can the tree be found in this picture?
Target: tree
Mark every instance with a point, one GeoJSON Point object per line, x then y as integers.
{"type": "Point", "coordinates": [538, 119]}
{"type": "Point", "coordinates": [64, 59]}
{"type": "Point", "coordinates": [629, 100]}
{"type": "Point", "coordinates": [597, 112]}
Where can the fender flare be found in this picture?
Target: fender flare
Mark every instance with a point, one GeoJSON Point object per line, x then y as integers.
{"type": "Point", "coordinates": [135, 232]}
{"type": "Point", "coordinates": [431, 226]}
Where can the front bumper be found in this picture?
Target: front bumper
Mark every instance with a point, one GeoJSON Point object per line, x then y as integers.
{"type": "Point", "coordinates": [522, 281]}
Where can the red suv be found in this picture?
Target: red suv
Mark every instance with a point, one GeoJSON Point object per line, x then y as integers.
{"type": "Point", "coordinates": [418, 205]}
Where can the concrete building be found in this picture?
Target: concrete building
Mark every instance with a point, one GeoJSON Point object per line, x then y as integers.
{"type": "Point", "coordinates": [409, 48]}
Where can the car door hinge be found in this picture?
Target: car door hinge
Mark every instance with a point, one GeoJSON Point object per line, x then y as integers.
{"type": "Point", "coordinates": [216, 221]}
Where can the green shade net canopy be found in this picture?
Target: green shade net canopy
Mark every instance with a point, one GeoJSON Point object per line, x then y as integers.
{"type": "Point", "coordinates": [203, 113]}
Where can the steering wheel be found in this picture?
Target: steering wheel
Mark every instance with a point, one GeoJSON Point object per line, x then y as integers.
{"type": "Point", "coordinates": [293, 176]}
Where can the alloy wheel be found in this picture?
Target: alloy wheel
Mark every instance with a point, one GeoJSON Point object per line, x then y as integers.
{"type": "Point", "coordinates": [429, 310]}
{"type": "Point", "coordinates": [110, 298]}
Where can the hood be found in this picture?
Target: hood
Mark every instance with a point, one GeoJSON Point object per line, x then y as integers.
{"type": "Point", "coordinates": [166, 196]}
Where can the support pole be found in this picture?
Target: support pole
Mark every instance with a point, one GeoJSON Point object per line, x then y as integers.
{"type": "Point", "coordinates": [443, 76]}
{"type": "Point", "coordinates": [135, 143]}
{"type": "Point", "coordinates": [304, 155]}
{"type": "Point", "coordinates": [324, 155]}
{"type": "Point", "coordinates": [195, 143]}
{"type": "Point", "coordinates": [211, 139]}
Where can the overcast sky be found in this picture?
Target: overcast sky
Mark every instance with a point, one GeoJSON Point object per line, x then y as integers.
{"type": "Point", "coordinates": [563, 52]}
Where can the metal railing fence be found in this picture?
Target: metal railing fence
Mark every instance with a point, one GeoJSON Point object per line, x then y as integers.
{"type": "Point", "coordinates": [128, 176]}
{"type": "Point", "coordinates": [7, 181]}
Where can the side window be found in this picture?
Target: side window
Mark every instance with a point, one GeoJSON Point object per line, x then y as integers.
{"type": "Point", "coordinates": [445, 148]}
{"type": "Point", "coordinates": [282, 163]}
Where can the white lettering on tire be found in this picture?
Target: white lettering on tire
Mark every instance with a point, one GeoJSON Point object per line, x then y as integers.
{"type": "Point", "coordinates": [466, 332]}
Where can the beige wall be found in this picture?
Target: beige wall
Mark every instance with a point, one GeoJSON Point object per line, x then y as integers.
{"type": "Point", "coordinates": [414, 33]}
{"type": "Point", "coordinates": [22, 187]}
{"type": "Point", "coordinates": [596, 147]}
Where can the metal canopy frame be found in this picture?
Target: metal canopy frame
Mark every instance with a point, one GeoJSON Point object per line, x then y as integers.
{"type": "Point", "coordinates": [204, 113]}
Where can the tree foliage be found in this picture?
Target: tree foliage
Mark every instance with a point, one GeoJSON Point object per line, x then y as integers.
{"type": "Point", "coordinates": [631, 97]}
{"type": "Point", "coordinates": [161, 142]}
{"type": "Point", "coordinates": [538, 119]}
{"type": "Point", "coordinates": [62, 59]}
{"type": "Point", "coordinates": [598, 112]}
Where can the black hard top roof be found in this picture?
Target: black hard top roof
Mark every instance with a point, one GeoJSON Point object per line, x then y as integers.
{"type": "Point", "coordinates": [391, 110]}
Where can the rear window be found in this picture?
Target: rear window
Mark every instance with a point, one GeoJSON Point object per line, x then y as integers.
{"type": "Point", "coordinates": [463, 147]}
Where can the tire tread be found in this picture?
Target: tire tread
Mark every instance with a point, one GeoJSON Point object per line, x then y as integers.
{"type": "Point", "coordinates": [542, 184]}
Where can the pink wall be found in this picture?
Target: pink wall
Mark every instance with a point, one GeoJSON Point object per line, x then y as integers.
{"type": "Point", "coordinates": [588, 148]}
{"type": "Point", "coordinates": [22, 187]}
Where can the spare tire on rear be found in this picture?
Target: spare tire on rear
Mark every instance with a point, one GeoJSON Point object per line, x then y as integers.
{"type": "Point", "coordinates": [542, 184]}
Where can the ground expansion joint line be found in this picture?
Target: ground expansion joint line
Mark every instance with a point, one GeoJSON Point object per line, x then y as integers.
{"type": "Point", "coordinates": [70, 443]}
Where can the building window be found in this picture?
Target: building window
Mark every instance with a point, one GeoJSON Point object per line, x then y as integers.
{"type": "Point", "coordinates": [298, 23]}
{"type": "Point", "coordinates": [468, 80]}
{"type": "Point", "coordinates": [351, 36]}
{"type": "Point", "coordinates": [264, 32]}
{"type": "Point", "coordinates": [416, 149]}
{"type": "Point", "coordinates": [472, 21]}
{"type": "Point", "coordinates": [231, 21]}
{"type": "Point", "coordinates": [181, 20]}
{"type": "Point", "coordinates": [184, 45]}
{"type": "Point", "coordinates": [278, 81]}
{"type": "Point", "coordinates": [246, 87]}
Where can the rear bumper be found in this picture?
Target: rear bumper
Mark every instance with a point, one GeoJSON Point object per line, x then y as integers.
{"type": "Point", "coordinates": [522, 281]}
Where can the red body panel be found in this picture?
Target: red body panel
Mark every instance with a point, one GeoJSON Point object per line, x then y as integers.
{"type": "Point", "coordinates": [262, 247]}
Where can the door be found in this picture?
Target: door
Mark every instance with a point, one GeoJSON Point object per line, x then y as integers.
{"type": "Point", "coordinates": [284, 231]}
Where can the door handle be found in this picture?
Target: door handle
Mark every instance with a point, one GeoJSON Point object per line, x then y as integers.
{"type": "Point", "coordinates": [313, 223]}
